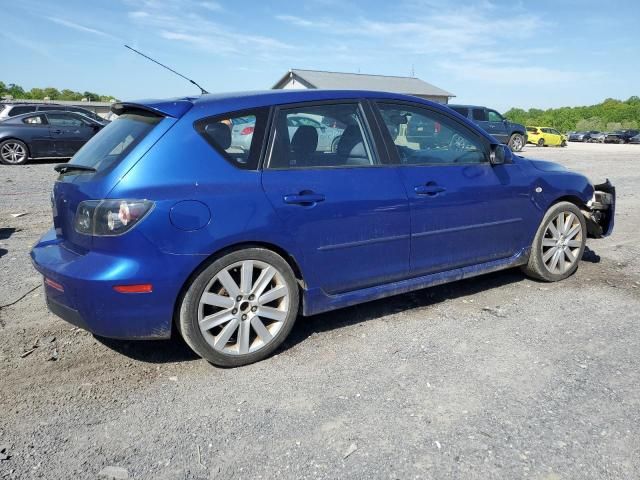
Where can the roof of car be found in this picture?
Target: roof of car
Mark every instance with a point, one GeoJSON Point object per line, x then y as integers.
{"type": "Point", "coordinates": [176, 107]}
{"type": "Point", "coordinates": [465, 106]}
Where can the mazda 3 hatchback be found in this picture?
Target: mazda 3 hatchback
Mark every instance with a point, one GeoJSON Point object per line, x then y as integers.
{"type": "Point", "coordinates": [224, 217]}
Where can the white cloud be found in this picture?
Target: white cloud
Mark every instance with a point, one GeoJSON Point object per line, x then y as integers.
{"type": "Point", "coordinates": [178, 21]}
{"type": "Point", "coordinates": [79, 27]}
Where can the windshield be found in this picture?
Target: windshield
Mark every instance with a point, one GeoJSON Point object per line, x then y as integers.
{"type": "Point", "coordinates": [116, 140]}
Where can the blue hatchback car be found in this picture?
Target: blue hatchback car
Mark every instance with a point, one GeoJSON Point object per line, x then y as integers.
{"type": "Point", "coordinates": [170, 218]}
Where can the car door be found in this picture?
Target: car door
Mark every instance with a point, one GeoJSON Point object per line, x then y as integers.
{"type": "Point", "coordinates": [37, 136]}
{"type": "Point", "coordinates": [464, 211]}
{"type": "Point", "coordinates": [346, 209]}
{"type": "Point", "coordinates": [69, 132]}
{"type": "Point", "coordinates": [497, 126]}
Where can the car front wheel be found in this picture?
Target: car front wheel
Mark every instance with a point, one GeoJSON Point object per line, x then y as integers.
{"type": "Point", "coordinates": [559, 243]}
{"type": "Point", "coordinates": [240, 308]}
{"type": "Point", "coordinates": [516, 142]}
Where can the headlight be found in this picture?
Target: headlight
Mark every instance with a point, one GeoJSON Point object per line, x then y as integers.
{"type": "Point", "coordinates": [110, 217]}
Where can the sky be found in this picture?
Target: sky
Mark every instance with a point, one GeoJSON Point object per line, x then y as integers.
{"type": "Point", "coordinates": [497, 53]}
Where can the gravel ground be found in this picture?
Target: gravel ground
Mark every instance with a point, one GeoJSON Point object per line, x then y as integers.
{"type": "Point", "coordinates": [494, 377]}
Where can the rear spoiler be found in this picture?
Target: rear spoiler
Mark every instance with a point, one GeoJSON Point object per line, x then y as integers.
{"type": "Point", "coordinates": [162, 108]}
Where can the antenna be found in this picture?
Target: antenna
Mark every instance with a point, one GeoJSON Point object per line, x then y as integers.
{"type": "Point", "coordinates": [202, 90]}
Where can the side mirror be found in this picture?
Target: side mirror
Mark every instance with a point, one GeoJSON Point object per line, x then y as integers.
{"type": "Point", "coordinates": [500, 154]}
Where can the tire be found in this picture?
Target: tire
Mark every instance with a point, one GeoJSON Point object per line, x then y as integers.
{"type": "Point", "coordinates": [541, 142]}
{"type": "Point", "coordinates": [13, 152]}
{"type": "Point", "coordinates": [219, 307]}
{"type": "Point", "coordinates": [516, 142]}
{"type": "Point", "coordinates": [542, 263]}
{"type": "Point", "coordinates": [564, 143]}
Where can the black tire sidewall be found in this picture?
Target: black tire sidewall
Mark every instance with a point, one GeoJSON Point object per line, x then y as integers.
{"type": "Point", "coordinates": [24, 145]}
{"type": "Point", "coordinates": [536, 264]}
{"type": "Point", "coordinates": [187, 321]}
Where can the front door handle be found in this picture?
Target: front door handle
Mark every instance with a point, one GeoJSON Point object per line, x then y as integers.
{"type": "Point", "coordinates": [57, 132]}
{"type": "Point", "coordinates": [430, 190]}
{"type": "Point", "coordinates": [303, 198]}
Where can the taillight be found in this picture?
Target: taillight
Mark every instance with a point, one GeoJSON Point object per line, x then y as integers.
{"type": "Point", "coordinates": [110, 217]}
{"type": "Point", "coordinates": [247, 131]}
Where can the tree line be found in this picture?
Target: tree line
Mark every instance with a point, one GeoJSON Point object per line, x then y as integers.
{"type": "Point", "coordinates": [609, 115]}
{"type": "Point", "coordinates": [17, 92]}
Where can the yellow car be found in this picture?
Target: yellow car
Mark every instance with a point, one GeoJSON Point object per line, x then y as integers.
{"type": "Point", "coordinates": [544, 136]}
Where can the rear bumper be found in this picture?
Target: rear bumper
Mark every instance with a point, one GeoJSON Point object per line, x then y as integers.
{"type": "Point", "coordinates": [81, 291]}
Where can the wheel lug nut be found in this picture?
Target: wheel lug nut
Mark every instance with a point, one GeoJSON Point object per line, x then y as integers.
{"type": "Point", "coordinates": [234, 311]}
{"type": "Point", "coordinates": [238, 298]}
{"type": "Point", "coordinates": [244, 316]}
{"type": "Point", "coordinates": [251, 297]}
{"type": "Point", "coordinates": [254, 309]}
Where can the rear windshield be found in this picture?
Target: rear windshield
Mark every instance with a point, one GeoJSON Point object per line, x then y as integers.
{"type": "Point", "coordinates": [116, 140]}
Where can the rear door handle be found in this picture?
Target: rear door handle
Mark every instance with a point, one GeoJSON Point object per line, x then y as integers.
{"type": "Point", "coordinates": [430, 190]}
{"type": "Point", "coordinates": [303, 198]}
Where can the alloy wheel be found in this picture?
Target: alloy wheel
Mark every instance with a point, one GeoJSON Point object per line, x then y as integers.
{"type": "Point", "coordinates": [243, 307]}
{"type": "Point", "coordinates": [13, 152]}
{"type": "Point", "coordinates": [517, 143]}
{"type": "Point", "coordinates": [561, 242]}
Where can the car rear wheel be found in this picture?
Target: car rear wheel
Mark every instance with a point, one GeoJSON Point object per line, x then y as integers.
{"type": "Point", "coordinates": [240, 308]}
{"type": "Point", "coordinates": [558, 245]}
{"type": "Point", "coordinates": [13, 152]}
{"type": "Point", "coordinates": [516, 142]}
{"type": "Point", "coordinates": [541, 142]}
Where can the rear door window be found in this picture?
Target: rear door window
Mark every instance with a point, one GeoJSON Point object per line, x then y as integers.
{"type": "Point", "coordinates": [237, 136]}
{"type": "Point", "coordinates": [461, 111]}
{"type": "Point", "coordinates": [116, 140]}
{"type": "Point", "coordinates": [479, 115]}
{"type": "Point", "coordinates": [315, 136]}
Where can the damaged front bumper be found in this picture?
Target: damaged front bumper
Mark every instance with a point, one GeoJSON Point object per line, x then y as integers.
{"type": "Point", "coordinates": [599, 212]}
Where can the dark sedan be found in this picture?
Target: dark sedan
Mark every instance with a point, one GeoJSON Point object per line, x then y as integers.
{"type": "Point", "coordinates": [635, 139]}
{"type": "Point", "coordinates": [52, 134]}
{"type": "Point", "coordinates": [620, 136]}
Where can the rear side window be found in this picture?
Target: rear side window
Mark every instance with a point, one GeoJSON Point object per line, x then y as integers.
{"type": "Point", "coordinates": [116, 140]}
{"type": "Point", "coordinates": [479, 114]}
{"type": "Point", "coordinates": [34, 120]}
{"type": "Point", "coordinates": [237, 136]}
{"type": "Point", "coordinates": [19, 110]}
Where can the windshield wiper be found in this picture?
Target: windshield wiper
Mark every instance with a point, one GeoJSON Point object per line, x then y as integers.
{"type": "Point", "coordinates": [66, 167]}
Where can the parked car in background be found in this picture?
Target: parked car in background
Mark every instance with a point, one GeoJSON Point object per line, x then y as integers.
{"type": "Point", "coordinates": [50, 134]}
{"type": "Point", "coordinates": [513, 134]}
{"type": "Point", "coordinates": [635, 139]}
{"type": "Point", "coordinates": [545, 136]}
{"type": "Point", "coordinates": [8, 110]}
{"type": "Point", "coordinates": [620, 136]}
{"type": "Point", "coordinates": [160, 225]}
{"type": "Point", "coordinates": [598, 137]}
{"type": "Point", "coordinates": [582, 136]}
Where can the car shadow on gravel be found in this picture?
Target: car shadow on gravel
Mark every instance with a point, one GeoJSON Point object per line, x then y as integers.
{"type": "Point", "coordinates": [152, 351]}
{"type": "Point", "coordinates": [305, 327]}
